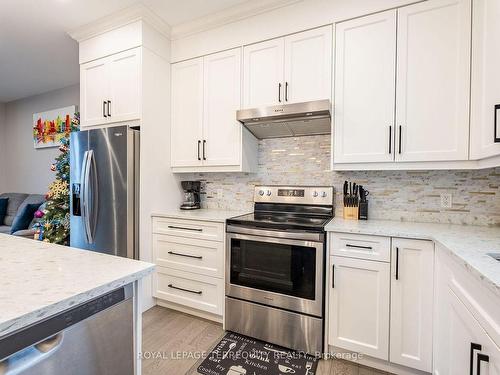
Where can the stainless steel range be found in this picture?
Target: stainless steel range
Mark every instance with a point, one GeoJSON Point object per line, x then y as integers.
{"type": "Point", "coordinates": [275, 267]}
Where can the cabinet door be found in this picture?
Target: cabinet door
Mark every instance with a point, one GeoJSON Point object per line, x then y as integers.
{"type": "Point", "coordinates": [485, 85]}
{"type": "Point", "coordinates": [433, 80]}
{"type": "Point", "coordinates": [460, 331]}
{"type": "Point", "coordinates": [263, 73]}
{"type": "Point", "coordinates": [124, 71]}
{"type": "Point", "coordinates": [365, 63]}
{"type": "Point", "coordinates": [308, 65]}
{"type": "Point", "coordinates": [411, 303]}
{"type": "Point", "coordinates": [359, 306]}
{"type": "Point", "coordinates": [93, 92]}
{"type": "Point", "coordinates": [222, 87]}
{"type": "Point", "coordinates": [187, 113]}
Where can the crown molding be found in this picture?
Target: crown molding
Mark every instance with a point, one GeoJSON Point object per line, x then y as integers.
{"type": "Point", "coordinates": [123, 17]}
{"type": "Point", "coordinates": [228, 15]}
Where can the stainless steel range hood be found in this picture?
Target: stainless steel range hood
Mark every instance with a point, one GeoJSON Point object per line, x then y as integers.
{"type": "Point", "coordinates": [288, 120]}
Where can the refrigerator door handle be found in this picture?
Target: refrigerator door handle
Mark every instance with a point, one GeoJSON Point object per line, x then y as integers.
{"type": "Point", "coordinates": [92, 191]}
{"type": "Point", "coordinates": [84, 195]}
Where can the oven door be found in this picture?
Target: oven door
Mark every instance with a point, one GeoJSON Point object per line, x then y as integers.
{"type": "Point", "coordinates": [279, 272]}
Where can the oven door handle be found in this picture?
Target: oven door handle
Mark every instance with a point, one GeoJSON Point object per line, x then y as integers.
{"type": "Point", "coordinates": [268, 235]}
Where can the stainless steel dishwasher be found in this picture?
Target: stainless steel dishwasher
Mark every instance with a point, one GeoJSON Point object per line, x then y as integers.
{"type": "Point", "coordinates": [94, 338]}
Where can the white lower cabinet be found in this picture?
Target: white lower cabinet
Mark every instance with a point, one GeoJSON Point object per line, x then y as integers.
{"type": "Point", "coordinates": [381, 305]}
{"type": "Point", "coordinates": [189, 255]}
{"type": "Point", "coordinates": [359, 306]}
{"type": "Point", "coordinates": [411, 303]}
{"type": "Point", "coordinates": [466, 323]}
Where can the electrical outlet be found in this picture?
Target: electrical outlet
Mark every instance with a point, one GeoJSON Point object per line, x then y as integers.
{"type": "Point", "coordinates": [446, 200]}
{"type": "Point", "coordinates": [220, 193]}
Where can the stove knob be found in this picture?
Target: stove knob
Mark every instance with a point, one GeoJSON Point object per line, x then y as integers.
{"type": "Point", "coordinates": [269, 193]}
{"type": "Point", "coordinates": [261, 192]}
{"type": "Point", "coordinates": [323, 194]}
{"type": "Point", "coordinates": [315, 194]}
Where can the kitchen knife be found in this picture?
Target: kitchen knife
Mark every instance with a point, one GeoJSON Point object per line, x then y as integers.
{"type": "Point", "coordinates": [345, 193]}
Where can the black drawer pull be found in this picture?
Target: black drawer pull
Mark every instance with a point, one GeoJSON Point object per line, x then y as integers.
{"type": "Point", "coordinates": [359, 246]}
{"type": "Point", "coordinates": [481, 358]}
{"type": "Point", "coordinates": [185, 255]}
{"type": "Point", "coordinates": [184, 228]}
{"type": "Point", "coordinates": [473, 346]}
{"type": "Point", "coordinates": [185, 290]}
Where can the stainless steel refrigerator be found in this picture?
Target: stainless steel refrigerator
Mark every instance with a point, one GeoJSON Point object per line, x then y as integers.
{"type": "Point", "coordinates": [104, 185]}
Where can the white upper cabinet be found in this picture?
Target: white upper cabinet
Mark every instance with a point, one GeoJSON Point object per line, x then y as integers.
{"type": "Point", "coordinates": [263, 73]}
{"type": "Point", "coordinates": [94, 87]}
{"type": "Point", "coordinates": [110, 89]}
{"type": "Point", "coordinates": [433, 80]}
{"type": "Point", "coordinates": [295, 68]}
{"type": "Point", "coordinates": [125, 74]}
{"type": "Point", "coordinates": [485, 89]}
{"type": "Point", "coordinates": [206, 137]}
{"type": "Point", "coordinates": [222, 93]}
{"type": "Point", "coordinates": [402, 93]}
{"type": "Point", "coordinates": [187, 113]}
{"type": "Point", "coordinates": [308, 65]}
{"type": "Point", "coordinates": [412, 303]}
{"type": "Point", "coordinates": [365, 67]}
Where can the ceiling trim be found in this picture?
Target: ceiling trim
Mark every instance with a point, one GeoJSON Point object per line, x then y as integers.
{"type": "Point", "coordinates": [228, 15]}
{"type": "Point", "coordinates": [123, 17]}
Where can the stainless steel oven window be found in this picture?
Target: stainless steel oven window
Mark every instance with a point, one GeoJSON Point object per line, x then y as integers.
{"type": "Point", "coordinates": [312, 306]}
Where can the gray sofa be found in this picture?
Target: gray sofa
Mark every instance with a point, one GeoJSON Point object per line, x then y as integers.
{"type": "Point", "coordinates": [14, 206]}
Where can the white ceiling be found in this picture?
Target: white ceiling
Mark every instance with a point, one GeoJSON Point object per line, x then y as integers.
{"type": "Point", "coordinates": [37, 55]}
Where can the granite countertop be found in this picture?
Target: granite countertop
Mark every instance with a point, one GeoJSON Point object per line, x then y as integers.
{"type": "Point", "coordinates": [203, 214]}
{"type": "Point", "coordinates": [39, 279]}
{"type": "Point", "coordinates": [469, 244]}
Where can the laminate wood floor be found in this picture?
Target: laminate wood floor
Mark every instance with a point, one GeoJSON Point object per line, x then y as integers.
{"type": "Point", "coordinates": [172, 343]}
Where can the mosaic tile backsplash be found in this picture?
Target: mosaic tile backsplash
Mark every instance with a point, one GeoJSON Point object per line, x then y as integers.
{"type": "Point", "coordinates": [394, 195]}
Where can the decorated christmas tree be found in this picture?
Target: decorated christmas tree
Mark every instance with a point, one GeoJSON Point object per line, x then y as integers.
{"type": "Point", "coordinates": [53, 225]}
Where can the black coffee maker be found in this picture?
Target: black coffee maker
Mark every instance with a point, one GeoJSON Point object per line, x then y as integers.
{"type": "Point", "coordinates": [191, 195]}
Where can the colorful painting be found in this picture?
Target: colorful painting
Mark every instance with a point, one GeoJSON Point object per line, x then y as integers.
{"type": "Point", "coordinates": [51, 126]}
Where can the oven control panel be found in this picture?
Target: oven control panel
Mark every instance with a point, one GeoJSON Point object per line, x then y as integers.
{"type": "Point", "coordinates": [320, 195]}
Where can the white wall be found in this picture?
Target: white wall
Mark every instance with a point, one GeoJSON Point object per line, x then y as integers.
{"type": "Point", "coordinates": [299, 16]}
{"type": "Point", "coordinates": [25, 169]}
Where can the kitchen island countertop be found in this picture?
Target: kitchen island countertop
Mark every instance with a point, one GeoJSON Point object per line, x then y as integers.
{"type": "Point", "coordinates": [39, 279]}
{"type": "Point", "coordinates": [470, 245]}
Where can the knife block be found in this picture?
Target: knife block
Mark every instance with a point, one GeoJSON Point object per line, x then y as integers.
{"type": "Point", "coordinates": [351, 213]}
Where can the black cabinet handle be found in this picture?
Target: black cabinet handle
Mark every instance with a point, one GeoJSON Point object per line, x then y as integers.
{"type": "Point", "coordinates": [390, 139]}
{"type": "Point", "coordinates": [397, 263]}
{"type": "Point", "coordinates": [109, 108]}
{"type": "Point", "coordinates": [473, 346]}
{"type": "Point", "coordinates": [400, 131]}
{"type": "Point", "coordinates": [185, 255]}
{"type": "Point", "coordinates": [199, 143]}
{"type": "Point", "coordinates": [286, 91]}
{"type": "Point", "coordinates": [359, 246]}
{"type": "Point", "coordinates": [184, 228]}
{"type": "Point", "coordinates": [204, 143]}
{"type": "Point", "coordinates": [104, 109]}
{"type": "Point", "coordinates": [279, 92]}
{"type": "Point", "coordinates": [481, 358]}
{"type": "Point", "coordinates": [333, 276]}
{"type": "Point", "coordinates": [185, 290]}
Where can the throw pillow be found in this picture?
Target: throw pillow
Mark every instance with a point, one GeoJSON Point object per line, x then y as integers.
{"type": "Point", "coordinates": [3, 209]}
{"type": "Point", "coordinates": [23, 219]}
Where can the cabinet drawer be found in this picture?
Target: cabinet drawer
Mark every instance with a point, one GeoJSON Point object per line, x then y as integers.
{"type": "Point", "coordinates": [203, 230]}
{"type": "Point", "coordinates": [189, 254]}
{"type": "Point", "coordinates": [189, 289]}
{"type": "Point", "coordinates": [361, 246]}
